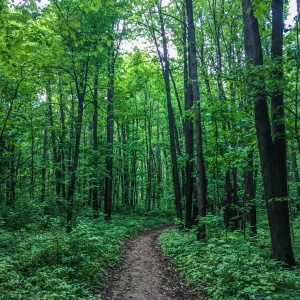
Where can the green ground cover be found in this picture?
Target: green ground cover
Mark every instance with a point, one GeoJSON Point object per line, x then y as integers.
{"type": "Point", "coordinates": [228, 266]}
{"type": "Point", "coordinates": [51, 264]}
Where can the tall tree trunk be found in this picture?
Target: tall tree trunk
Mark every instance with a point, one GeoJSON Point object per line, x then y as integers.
{"type": "Point", "coordinates": [32, 173]}
{"type": "Point", "coordinates": [172, 126]}
{"type": "Point", "coordinates": [109, 138]}
{"type": "Point", "coordinates": [201, 177]}
{"type": "Point", "coordinates": [296, 177]}
{"type": "Point", "coordinates": [125, 158]}
{"type": "Point", "coordinates": [235, 198]}
{"type": "Point", "coordinates": [148, 134]}
{"type": "Point", "coordinates": [11, 181]}
{"type": "Point", "coordinates": [44, 165]}
{"type": "Point", "coordinates": [250, 173]}
{"type": "Point", "coordinates": [71, 189]}
{"type": "Point", "coordinates": [56, 158]}
{"type": "Point", "coordinates": [296, 97]}
{"type": "Point", "coordinates": [2, 170]}
{"type": "Point", "coordinates": [133, 181]}
{"type": "Point", "coordinates": [188, 126]}
{"type": "Point", "coordinates": [81, 85]}
{"type": "Point", "coordinates": [212, 206]}
{"type": "Point", "coordinates": [250, 193]}
{"type": "Point", "coordinates": [230, 219]}
{"type": "Point", "coordinates": [271, 143]}
{"type": "Point", "coordinates": [230, 213]}
{"type": "Point", "coordinates": [62, 147]}
{"type": "Point", "coordinates": [159, 188]}
{"type": "Point", "coordinates": [95, 183]}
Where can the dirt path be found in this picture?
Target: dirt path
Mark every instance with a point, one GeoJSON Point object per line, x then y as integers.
{"type": "Point", "coordinates": [145, 274]}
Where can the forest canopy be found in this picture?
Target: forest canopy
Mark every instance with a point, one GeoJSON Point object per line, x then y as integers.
{"type": "Point", "coordinates": [183, 109]}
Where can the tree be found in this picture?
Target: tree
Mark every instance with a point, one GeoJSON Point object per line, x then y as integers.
{"type": "Point", "coordinates": [95, 182]}
{"type": "Point", "coordinates": [193, 80]}
{"type": "Point", "coordinates": [271, 132]}
{"type": "Point", "coordinates": [165, 67]}
{"type": "Point", "coordinates": [109, 136]}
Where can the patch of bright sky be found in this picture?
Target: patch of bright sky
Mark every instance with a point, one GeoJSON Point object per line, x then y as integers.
{"type": "Point", "coordinates": [40, 3]}
{"type": "Point", "coordinates": [289, 21]}
{"type": "Point", "coordinates": [292, 13]}
{"type": "Point", "coordinates": [143, 44]}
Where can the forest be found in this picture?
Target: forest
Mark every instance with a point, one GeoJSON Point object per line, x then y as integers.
{"type": "Point", "coordinates": [122, 116]}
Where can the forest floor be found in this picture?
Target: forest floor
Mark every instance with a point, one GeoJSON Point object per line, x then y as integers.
{"type": "Point", "coordinates": [145, 273]}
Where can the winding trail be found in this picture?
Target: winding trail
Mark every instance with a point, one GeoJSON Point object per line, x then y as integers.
{"type": "Point", "coordinates": [145, 274]}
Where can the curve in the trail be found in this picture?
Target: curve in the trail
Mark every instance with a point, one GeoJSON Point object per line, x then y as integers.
{"type": "Point", "coordinates": [145, 274]}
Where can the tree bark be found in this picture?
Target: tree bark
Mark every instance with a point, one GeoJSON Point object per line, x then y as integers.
{"type": "Point", "coordinates": [44, 165]}
{"type": "Point", "coordinates": [164, 60]}
{"type": "Point", "coordinates": [32, 161]}
{"type": "Point", "coordinates": [11, 181]}
{"type": "Point", "coordinates": [109, 138]}
{"type": "Point", "coordinates": [188, 131]}
{"type": "Point", "coordinates": [201, 176]}
{"type": "Point", "coordinates": [71, 189]}
{"type": "Point", "coordinates": [56, 158]}
{"type": "Point", "coordinates": [81, 85]}
{"type": "Point", "coordinates": [271, 141]}
{"type": "Point", "coordinates": [95, 183]}
{"type": "Point", "coordinates": [296, 177]}
{"type": "Point", "coordinates": [249, 196]}
{"type": "Point", "coordinates": [62, 144]}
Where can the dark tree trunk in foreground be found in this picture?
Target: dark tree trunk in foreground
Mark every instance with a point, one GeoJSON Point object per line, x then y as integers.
{"type": "Point", "coordinates": [188, 127]}
{"type": "Point", "coordinates": [250, 173]}
{"type": "Point", "coordinates": [201, 177]}
{"type": "Point", "coordinates": [271, 141]}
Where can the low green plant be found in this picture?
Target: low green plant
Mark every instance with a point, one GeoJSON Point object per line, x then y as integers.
{"type": "Point", "coordinates": [230, 267]}
{"type": "Point", "coordinates": [51, 264]}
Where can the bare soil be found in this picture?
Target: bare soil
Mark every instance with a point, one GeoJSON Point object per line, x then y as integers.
{"type": "Point", "coordinates": [145, 273]}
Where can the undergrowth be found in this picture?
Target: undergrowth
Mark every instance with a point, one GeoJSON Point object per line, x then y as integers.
{"type": "Point", "coordinates": [50, 264]}
{"type": "Point", "coordinates": [231, 267]}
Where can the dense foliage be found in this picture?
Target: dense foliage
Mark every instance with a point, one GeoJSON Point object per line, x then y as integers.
{"type": "Point", "coordinates": [183, 108]}
{"type": "Point", "coordinates": [230, 266]}
{"type": "Point", "coordinates": [43, 262]}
